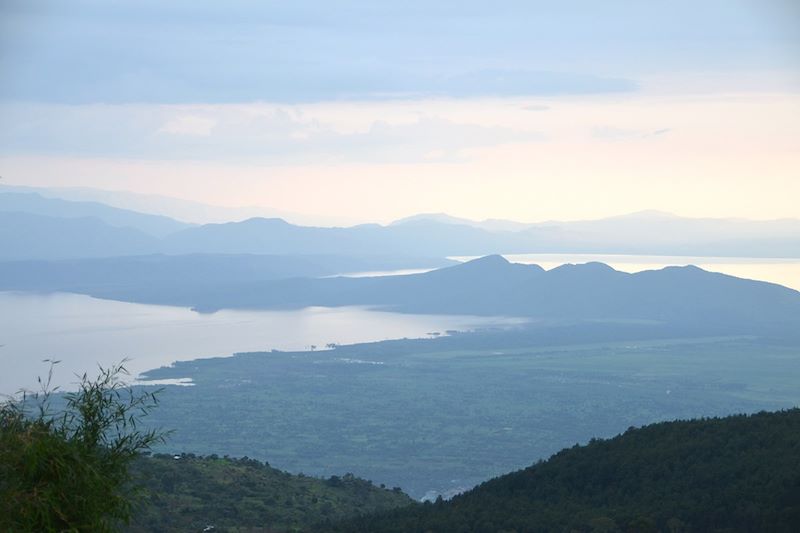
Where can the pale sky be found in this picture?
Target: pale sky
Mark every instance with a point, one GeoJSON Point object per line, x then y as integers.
{"type": "Point", "coordinates": [374, 111]}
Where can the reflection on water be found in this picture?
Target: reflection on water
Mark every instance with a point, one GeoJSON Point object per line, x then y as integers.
{"type": "Point", "coordinates": [782, 271]}
{"type": "Point", "coordinates": [379, 273]}
{"type": "Point", "coordinates": [182, 382]}
{"type": "Point", "coordinates": [82, 331]}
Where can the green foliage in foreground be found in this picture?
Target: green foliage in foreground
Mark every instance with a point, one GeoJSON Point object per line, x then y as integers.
{"type": "Point", "coordinates": [67, 469]}
{"type": "Point", "coordinates": [740, 473]}
{"type": "Point", "coordinates": [189, 493]}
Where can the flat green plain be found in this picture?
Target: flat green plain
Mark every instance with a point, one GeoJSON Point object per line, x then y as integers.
{"type": "Point", "coordinates": [440, 416]}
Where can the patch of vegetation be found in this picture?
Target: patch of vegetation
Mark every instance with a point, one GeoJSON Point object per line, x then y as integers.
{"type": "Point", "coordinates": [190, 493]}
{"type": "Point", "coordinates": [447, 414]}
{"type": "Point", "coordinates": [740, 473]}
{"type": "Point", "coordinates": [66, 469]}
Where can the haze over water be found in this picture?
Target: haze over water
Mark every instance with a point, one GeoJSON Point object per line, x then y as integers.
{"type": "Point", "coordinates": [81, 332]}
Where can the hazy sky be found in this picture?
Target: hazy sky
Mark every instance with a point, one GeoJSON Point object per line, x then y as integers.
{"type": "Point", "coordinates": [376, 110]}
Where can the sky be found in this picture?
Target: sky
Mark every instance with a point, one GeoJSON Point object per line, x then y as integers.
{"type": "Point", "coordinates": [371, 111]}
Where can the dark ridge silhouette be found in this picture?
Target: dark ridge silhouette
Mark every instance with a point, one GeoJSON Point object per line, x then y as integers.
{"type": "Point", "coordinates": [187, 493]}
{"type": "Point", "coordinates": [739, 473]}
{"type": "Point", "coordinates": [493, 286]}
{"type": "Point", "coordinates": [489, 286]}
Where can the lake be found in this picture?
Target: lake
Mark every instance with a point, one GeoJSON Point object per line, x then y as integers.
{"type": "Point", "coordinates": [82, 331]}
{"type": "Point", "coordinates": [775, 270]}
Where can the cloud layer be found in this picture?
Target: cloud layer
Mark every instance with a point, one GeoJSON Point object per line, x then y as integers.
{"type": "Point", "coordinates": [527, 159]}
{"type": "Point", "coordinates": [90, 51]}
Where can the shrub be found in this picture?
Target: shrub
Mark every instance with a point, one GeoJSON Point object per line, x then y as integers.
{"type": "Point", "coordinates": [66, 469]}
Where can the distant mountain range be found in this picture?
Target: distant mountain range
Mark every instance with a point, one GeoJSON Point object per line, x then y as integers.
{"type": "Point", "coordinates": [490, 224]}
{"type": "Point", "coordinates": [39, 227]}
{"type": "Point", "coordinates": [645, 232]}
{"type": "Point", "coordinates": [641, 233]}
{"type": "Point", "coordinates": [490, 286]}
{"type": "Point", "coordinates": [178, 208]}
{"type": "Point", "coordinates": [493, 286]}
{"type": "Point", "coordinates": [35, 204]}
{"type": "Point", "coordinates": [88, 247]}
{"type": "Point", "coordinates": [31, 236]}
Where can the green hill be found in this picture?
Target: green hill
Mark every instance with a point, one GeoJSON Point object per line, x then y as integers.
{"type": "Point", "coordinates": [740, 473]}
{"type": "Point", "coordinates": [190, 493]}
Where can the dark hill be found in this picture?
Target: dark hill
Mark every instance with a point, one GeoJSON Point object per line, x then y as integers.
{"type": "Point", "coordinates": [493, 286]}
{"type": "Point", "coordinates": [740, 473]}
{"type": "Point", "coordinates": [190, 493]}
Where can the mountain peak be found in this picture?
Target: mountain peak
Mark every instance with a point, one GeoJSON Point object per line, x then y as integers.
{"type": "Point", "coordinates": [263, 221]}
{"type": "Point", "coordinates": [442, 218]}
{"type": "Point", "coordinates": [590, 267]}
{"type": "Point", "coordinates": [488, 261]}
{"type": "Point", "coordinates": [648, 214]}
{"type": "Point", "coordinates": [486, 266]}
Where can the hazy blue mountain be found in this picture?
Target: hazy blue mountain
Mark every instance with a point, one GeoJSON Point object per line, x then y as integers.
{"type": "Point", "coordinates": [592, 291]}
{"type": "Point", "coordinates": [176, 208]}
{"type": "Point", "coordinates": [645, 232]}
{"type": "Point", "coordinates": [177, 277]}
{"type": "Point", "coordinates": [657, 232]}
{"type": "Point", "coordinates": [435, 235]}
{"type": "Point", "coordinates": [490, 224]}
{"type": "Point", "coordinates": [29, 236]}
{"type": "Point", "coordinates": [487, 286]}
{"type": "Point", "coordinates": [426, 235]}
{"type": "Point", "coordinates": [276, 236]}
{"type": "Point", "coordinates": [155, 225]}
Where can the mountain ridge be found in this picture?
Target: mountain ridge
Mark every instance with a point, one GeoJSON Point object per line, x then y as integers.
{"type": "Point", "coordinates": [186, 492]}
{"type": "Point", "coordinates": [32, 236]}
{"type": "Point", "coordinates": [492, 286]}
{"type": "Point", "coordinates": [584, 292]}
{"type": "Point", "coordinates": [647, 234]}
{"type": "Point", "coordinates": [35, 204]}
{"type": "Point", "coordinates": [737, 473]}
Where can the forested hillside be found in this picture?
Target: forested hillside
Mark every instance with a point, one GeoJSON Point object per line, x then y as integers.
{"type": "Point", "coordinates": [190, 493]}
{"type": "Point", "coordinates": [740, 473]}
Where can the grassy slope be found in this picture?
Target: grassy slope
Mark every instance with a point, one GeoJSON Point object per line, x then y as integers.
{"type": "Point", "coordinates": [190, 493]}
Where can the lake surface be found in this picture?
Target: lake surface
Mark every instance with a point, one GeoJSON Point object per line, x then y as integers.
{"type": "Point", "coordinates": [782, 271]}
{"type": "Point", "coordinates": [82, 331]}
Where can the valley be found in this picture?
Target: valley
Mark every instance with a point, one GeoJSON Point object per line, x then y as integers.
{"type": "Point", "coordinates": [438, 416]}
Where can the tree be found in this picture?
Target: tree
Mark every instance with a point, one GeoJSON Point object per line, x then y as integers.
{"type": "Point", "coordinates": [66, 469]}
